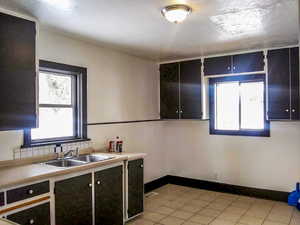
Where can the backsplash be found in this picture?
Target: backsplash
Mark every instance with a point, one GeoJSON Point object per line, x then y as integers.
{"type": "Point", "coordinates": [22, 153]}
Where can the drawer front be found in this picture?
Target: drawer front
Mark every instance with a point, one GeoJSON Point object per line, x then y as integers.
{"type": "Point", "coordinates": [29, 191]}
{"type": "Point", "coordinates": [39, 215]}
{"type": "Point", "coordinates": [1, 199]}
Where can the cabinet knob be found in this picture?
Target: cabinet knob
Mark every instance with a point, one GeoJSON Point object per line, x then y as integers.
{"type": "Point", "coordinates": [293, 110]}
{"type": "Point", "coordinates": [98, 182]}
{"type": "Point", "coordinates": [181, 111]}
{"type": "Point", "coordinates": [287, 110]}
{"type": "Point", "coordinates": [176, 111]}
{"type": "Point", "coordinates": [142, 166]}
{"type": "Point", "coordinates": [228, 67]}
{"type": "Point", "coordinates": [90, 185]}
{"type": "Point", "coordinates": [31, 221]}
{"type": "Point", "coordinates": [234, 68]}
{"type": "Point", "coordinates": [30, 192]}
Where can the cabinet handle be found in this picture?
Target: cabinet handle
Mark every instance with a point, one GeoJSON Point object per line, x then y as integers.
{"type": "Point", "coordinates": [293, 110]}
{"type": "Point", "coordinates": [90, 185]}
{"type": "Point", "coordinates": [30, 192]}
{"type": "Point", "coordinates": [31, 221]}
{"type": "Point", "coordinates": [98, 182]}
{"type": "Point", "coordinates": [142, 166]}
{"type": "Point", "coordinates": [287, 110]}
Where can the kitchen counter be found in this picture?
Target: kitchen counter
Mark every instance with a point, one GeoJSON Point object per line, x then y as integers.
{"type": "Point", "coordinates": [6, 222]}
{"type": "Point", "coordinates": [17, 175]}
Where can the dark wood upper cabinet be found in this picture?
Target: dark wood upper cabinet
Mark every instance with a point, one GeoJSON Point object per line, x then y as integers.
{"type": "Point", "coordinates": [17, 73]}
{"type": "Point", "coordinates": [248, 62]}
{"type": "Point", "coordinates": [169, 91]}
{"type": "Point", "coordinates": [36, 215]}
{"type": "Point", "coordinates": [73, 201]}
{"type": "Point", "coordinates": [1, 198]}
{"type": "Point", "coordinates": [190, 89]}
{"type": "Point", "coordinates": [109, 196]}
{"type": "Point", "coordinates": [294, 65]}
{"type": "Point", "coordinates": [217, 65]}
{"type": "Point", "coordinates": [283, 84]}
{"type": "Point", "coordinates": [135, 187]}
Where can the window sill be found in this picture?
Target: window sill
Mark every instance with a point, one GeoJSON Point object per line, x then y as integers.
{"type": "Point", "coordinates": [57, 142]}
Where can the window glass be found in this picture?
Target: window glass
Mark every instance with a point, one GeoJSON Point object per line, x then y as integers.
{"type": "Point", "coordinates": [55, 89]}
{"type": "Point", "coordinates": [227, 106]}
{"type": "Point", "coordinates": [54, 123]}
{"type": "Point", "coordinates": [252, 105]}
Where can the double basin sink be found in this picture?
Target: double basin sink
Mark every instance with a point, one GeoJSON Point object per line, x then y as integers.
{"type": "Point", "coordinates": [78, 161]}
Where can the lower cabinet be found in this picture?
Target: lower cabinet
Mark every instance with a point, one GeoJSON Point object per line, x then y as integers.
{"type": "Point", "coordinates": [39, 215]}
{"type": "Point", "coordinates": [109, 196]}
{"type": "Point", "coordinates": [73, 201]}
{"type": "Point", "coordinates": [135, 187]}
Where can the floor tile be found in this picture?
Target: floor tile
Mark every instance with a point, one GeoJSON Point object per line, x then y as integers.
{"type": "Point", "coordinates": [182, 214]}
{"type": "Point", "coordinates": [217, 206]}
{"type": "Point", "coordinates": [191, 208]}
{"type": "Point", "coordinates": [209, 212]}
{"type": "Point", "coordinates": [171, 221]}
{"type": "Point", "coordinates": [140, 222]}
{"type": "Point", "coordinates": [222, 222]}
{"type": "Point", "coordinates": [235, 210]}
{"type": "Point", "coordinates": [249, 220]}
{"type": "Point", "coordinates": [190, 223]}
{"type": "Point", "coordinates": [275, 217]}
{"type": "Point", "coordinates": [272, 223]}
{"type": "Point", "coordinates": [152, 216]}
{"type": "Point", "coordinates": [163, 210]}
{"type": "Point", "coordinates": [229, 216]}
{"type": "Point", "coordinates": [201, 219]}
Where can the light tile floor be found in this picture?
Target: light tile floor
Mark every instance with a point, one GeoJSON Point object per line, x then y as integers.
{"type": "Point", "coordinates": [178, 205]}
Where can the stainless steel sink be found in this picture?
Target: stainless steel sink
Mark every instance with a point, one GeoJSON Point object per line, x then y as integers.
{"type": "Point", "coordinates": [93, 158]}
{"type": "Point", "coordinates": [65, 163]}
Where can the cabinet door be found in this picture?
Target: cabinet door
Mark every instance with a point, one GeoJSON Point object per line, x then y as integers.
{"type": "Point", "coordinates": [169, 91]}
{"type": "Point", "coordinates": [217, 65]}
{"type": "Point", "coordinates": [1, 199]}
{"type": "Point", "coordinates": [109, 196]}
{"type": "Point", "coordinates": [190, 89]}
{"type": "Point", "coordinates": [135, 187]}
{"type": "Point", "coordinates": [73, 201]}
{"type": "Point", "coordinates": [279, 84]}
{"type": "Point", "coordinates": [17, 73]}
{"type": "Point", "coordinates": [39, 215]}
{"type": "Point", "coordinates": [294, 61]}
{"type": "Point", "coordinates": [249, 62]}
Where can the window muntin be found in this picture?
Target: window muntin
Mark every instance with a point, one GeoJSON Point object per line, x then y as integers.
{"type": "Point", "coordinates": [237, 106]}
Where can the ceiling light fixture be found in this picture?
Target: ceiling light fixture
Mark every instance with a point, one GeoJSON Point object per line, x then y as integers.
{"type": "Point", "coordinates": [176, 13]}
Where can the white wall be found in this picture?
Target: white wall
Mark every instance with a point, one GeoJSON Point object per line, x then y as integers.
{"type": "Point", "coordinates": [271, 163]}
{"type": "Point", "coordinates": [120, 87]}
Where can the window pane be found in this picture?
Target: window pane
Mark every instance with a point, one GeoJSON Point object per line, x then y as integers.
{"type": "Point", "coordinates": [53, 123]}
{"type": "Point", "coordinates": [227, 106]}
{"type": "Point", "coordinates": [252, 105]}
{"type": "Point", "coordinates": [55, 89]}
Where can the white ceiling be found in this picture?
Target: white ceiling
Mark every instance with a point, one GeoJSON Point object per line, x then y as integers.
{"type": "Point", "coordinates": [137, 27]}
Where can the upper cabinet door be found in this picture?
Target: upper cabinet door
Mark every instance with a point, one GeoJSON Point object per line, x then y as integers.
{"type": "Point", "coordinates": [279, 84]}
{"type": "Point", "coordinates": [294, 65]}
{"type": "Point", "coordinates": [17, 73]}
{"type": "Point", "coordinates": [169, 91]}
{"type": "Point", "coordinates": [249, 62]}
{"type": "Point", "coordinates": [190, 89]}
{"type": "Point", "coordinates": [218, 65]}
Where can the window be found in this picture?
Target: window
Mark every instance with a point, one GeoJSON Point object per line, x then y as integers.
{"type": "Point", "coordinates": [237, 106]}
{"type": "Point", "coordinates": [61, 104]}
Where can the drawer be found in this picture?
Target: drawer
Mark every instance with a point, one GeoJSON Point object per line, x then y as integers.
{"type": "Point", "coordinates": [28, 191]}
{"type": "Point", "coordinates": [1, 199]}
{"type": "Point", "coordinates": [39, 215]}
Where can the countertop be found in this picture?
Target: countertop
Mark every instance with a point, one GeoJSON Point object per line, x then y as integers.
{"type": "Point", "coordinates": [17, 175]}
{"type": "Point", "coordinates": [6, 222]}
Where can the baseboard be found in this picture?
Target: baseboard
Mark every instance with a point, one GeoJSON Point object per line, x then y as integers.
{"type": "Point", "coordinates": [220, 187]}
{"type": "Point", "coordinates": [150, 186]}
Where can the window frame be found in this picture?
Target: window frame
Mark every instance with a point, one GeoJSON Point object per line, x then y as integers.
{"type": "Point", "coordinates": [242, 132]}
{"type": "Point", "coordinates": [79, 101]}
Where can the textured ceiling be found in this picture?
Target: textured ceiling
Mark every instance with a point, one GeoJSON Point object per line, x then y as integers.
{"type": "Point", "coordinates": [137, 27]}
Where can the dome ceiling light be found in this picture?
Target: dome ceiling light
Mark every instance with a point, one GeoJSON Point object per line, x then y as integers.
{"type": "Point", "coordinates": [176, 13]}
